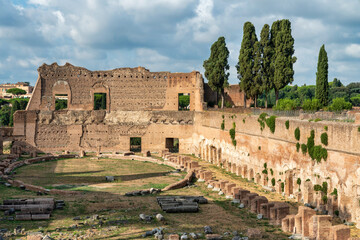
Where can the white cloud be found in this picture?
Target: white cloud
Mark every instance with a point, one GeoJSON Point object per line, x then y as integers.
{"type": "Point", "coordinates": [39, 2]}
{"type": "Point", "coordinates": [353, 50]}
{"type": "Point", "coordinates": [150, 56]}
{"type": "Point", "coordinates": [203, 26]}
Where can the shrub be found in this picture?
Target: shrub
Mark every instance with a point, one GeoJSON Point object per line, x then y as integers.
{"type": "Point", "coordinates": [355, 100]}
{"type": "Point", "coordinates": [297, 134]}
{"type": "Point", "coordinates": [317, 119]}
{"type": "Point", "coordinates": [324, 138]}
{"type": "Point", "coordinates": [317, 187]}
{"type": "Point", "coordinates": [297, 147]}
{"type": "Point", "coordinates": [334, 192]}
{"type": "Point", "coordinates": [223, 125]}
{"type": "Point", "coordinates": [298, 181]}
{"type": "Point", "coordinates": [285, 105]}
{"type": "Point", "coordinates": [325, 198]}
{"type": "Point", "coordinates": [261, 120]}
{"type": "Point", "coordinates": [232, 133]}
{"type": "Point", "coordinates": [358, 129]}
{"type": "Point", "coordinates": [326, 128]}
{"type": "Point", "coordinates": [270, 122]}
{"type": "Point", "coordinates": [273, 181]}
{"type": "Point", "coordinates": [310, 144]}
{"type": "Point", "coordinates": [339, 104]}
{"type": "Point", "coordinates": [265, 165]}
{"type": "Point", "coordinates": [319, 153]}
{"type": "Point", "coordinates": [227, 104]}
{"type": "Point", "coordinates": [287, 124]}
{"type": "Point", "coordinates": [265, 171]}
{"type": "Point", "coordinates": [259, 147]}
{"type": "Point", "coordinates": [271, 171]}
{"type": "Point", "coordinates": [282, 187]}
{"type": "Point", "coordinates": [244, 120]}
{"type": "Point", "coordinates": [303, 148]}
{"type": "Point", "coordinates": [311, 105]}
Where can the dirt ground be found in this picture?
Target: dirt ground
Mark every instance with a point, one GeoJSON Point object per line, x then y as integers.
{"type": "Point", "coordinates": [118, 215]}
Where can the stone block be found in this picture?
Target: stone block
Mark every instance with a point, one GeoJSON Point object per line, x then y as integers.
{"type": "Point", "coordinates": [174, 237]}
{"type": "Point", "coordinates": [340, 232]}
{"type": "Point", "coordinates": [255, 204]}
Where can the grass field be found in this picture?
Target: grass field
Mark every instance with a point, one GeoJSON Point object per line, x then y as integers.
{"type": "Point", "coordinates": [119, 215]}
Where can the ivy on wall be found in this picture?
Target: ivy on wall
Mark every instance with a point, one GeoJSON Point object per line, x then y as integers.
{"type": "Point", "coordinates": [297, 134]}
{"type": "Point", "coordinates": [232, 134]}
{"type": "Point", "coordinates": [270, 122]}
{"type": "Point", "coordinates": [324, 139]}
{"type": "Point", "coordinates": [223, 123]}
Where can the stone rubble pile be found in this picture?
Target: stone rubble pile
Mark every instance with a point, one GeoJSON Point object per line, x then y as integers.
{"type": "Point", "coordinates": [31, 209]}
{"type": "Point", "coordinates": [180, 204]}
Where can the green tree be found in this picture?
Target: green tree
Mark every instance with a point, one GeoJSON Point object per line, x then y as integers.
{"type": "Point", "coordinates": [184, 102]}
{"type": "Point", "coordinates": [322, 85]}
{"type": "Point", "coordinates": [336, 83]}
{"type": "Point", "coordinates": [283, 59]}
{"type": "Point", "coordinates": [257, 85]}
{"type": "Point", "coordinates": [16, 91]}
{"type": "Point", "coordinates": [5, 115]}
{"type": "Point", "coordinates": [265, 43]}
{"type": "Point", "coordinates": [216, 68]}
{"type": "Point", "coordinates": [14, 108]}
{"type": "Point", "coordinates": [245, 66]}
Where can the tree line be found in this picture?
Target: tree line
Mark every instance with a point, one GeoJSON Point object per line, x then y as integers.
{"type": "Point", "coordinates": [9, 107]}
{"type": "Point", "coordinates": [265, 67]}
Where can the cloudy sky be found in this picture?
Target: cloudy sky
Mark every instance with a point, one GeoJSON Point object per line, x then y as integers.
{"type": "Point", "coordinates": [170, 35]}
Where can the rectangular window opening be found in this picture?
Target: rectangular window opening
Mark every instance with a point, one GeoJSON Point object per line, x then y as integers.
{"type": "Point", "coordinates": [135, 144]}
{"type": "Point", "coordinates": [99, 101]}
{"type": "Point", "coordinates": [184, 101]}
{"type": "Point", "coordinates": [61, 101]}
{"type": "Point", "coordinates": [172, 144]}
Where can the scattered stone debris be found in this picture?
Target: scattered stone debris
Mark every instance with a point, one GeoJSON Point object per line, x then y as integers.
{"type": "Point", "coordinates": [213, 237]}
{"type": "Point", "coordinates": [254, 233]}
{"type": "Point", "coordinates": [156, 231]}
{"type": "Point", "coordinates": [160, 217]}
{"type": "Point", "coordinates": [208, 230]}
{"type": "Point", "coordinates": [110, 178]}
{"type": "Point", "coordinates": [146, 218]}
{"type": "Point", "coordinates": [180, 204]}
{"type": "Point", "coordinates": [31, 209]}
{"type": "Point", "coordinates": [143, 192]}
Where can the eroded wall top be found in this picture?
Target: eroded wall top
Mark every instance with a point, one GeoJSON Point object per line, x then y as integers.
{"type": "Point", "coordinates": [125, 88]}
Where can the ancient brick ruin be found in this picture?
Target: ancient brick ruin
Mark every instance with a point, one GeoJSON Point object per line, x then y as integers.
{"type": "Point", "coordinates": [144, 104]}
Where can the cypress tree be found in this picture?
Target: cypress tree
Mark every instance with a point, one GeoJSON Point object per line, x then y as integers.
{"type": "Point", "coordinates": [103, 101]}
{"type": "Point", "coordinates": [257, 87]}
{"type": "Point", "coordinates": [322, 85]}
{"type": "Point", "coordinates": [245, 66]}
{"type": "Point", "coordinates": [283, 59]}
{"type": "Point", "coordinates": [265, 43]}
{"type": "Point", "coordinates": [216, 68]}
{"type": "Point", "coordinates": [15, 106]}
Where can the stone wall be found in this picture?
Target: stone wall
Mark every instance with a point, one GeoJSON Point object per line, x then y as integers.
{"type": "Point", "coordinates": [278, 150]}
{"type": "Point", "coordinates": [125, 88]}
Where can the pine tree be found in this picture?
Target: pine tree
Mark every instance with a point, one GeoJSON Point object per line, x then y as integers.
{"type": "Point", "coordinates": [322, 85]}
{"type": "Point", "coordinates": [245, 66]}
{"type": "Point", "coordinates": [265, 43]}
{"type": "Point", "coordinates": [216, 68]}
{"type": "Point", "coordinates": [282, 60]}
{"type": "Point", "coordinates": [15, 106]}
